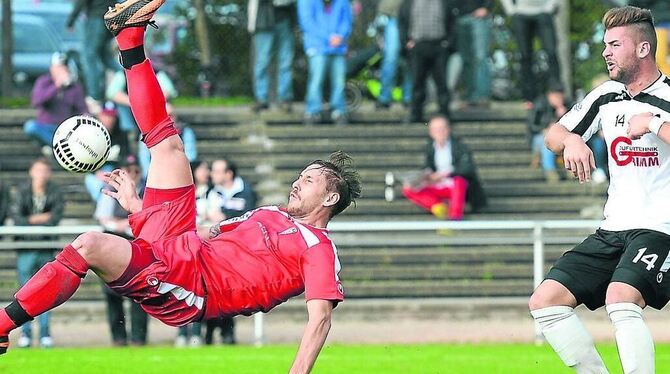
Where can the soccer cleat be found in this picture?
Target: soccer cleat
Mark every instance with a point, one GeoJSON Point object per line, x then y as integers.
{"type": "Point", "coordinates": [4, 343]}
{"type": "Point", "coordinates": [131, 13]}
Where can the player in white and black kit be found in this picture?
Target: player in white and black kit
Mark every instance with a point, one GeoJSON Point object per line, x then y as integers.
{"type": "Point", "coordinates": [624, 264]}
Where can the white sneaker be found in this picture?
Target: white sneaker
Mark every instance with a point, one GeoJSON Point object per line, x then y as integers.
{"type": "Point", "coordinates": [195, 342]}
{"type": "Point", "coordinates": [180, 342]}
{"type": "Point", "coordinates": [24, 342]}
{"type": "Point", "coordinates": [46, 342]}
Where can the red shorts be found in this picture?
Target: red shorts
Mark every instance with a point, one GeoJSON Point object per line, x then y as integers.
{"type": "Point", "coordinates": [163, 274]}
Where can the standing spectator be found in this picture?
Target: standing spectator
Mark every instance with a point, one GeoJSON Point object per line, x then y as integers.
{"type": "Point", "coordinates": [271, 22]}
{"type": "Point", "coordinates": [451, 175]}
{"type": "Point", "coordinates": [114, 219]}
{"type": "Point", "coordinates": [530, 19]}
{"type": "Point", "coordinates": [56, 96]}
{"type": "Point", "coordinates": [473, 30]}
{"type": "Point", "coordinates": [96, 51]}
{"type": "Point", "coordinates": [426, 34]}
{"type": "Point", "coordinates": [390, 60]}
{"type": "Point", "coordinates": [229, 197]}
{"type": "Point", "coordinates": [326, 25]}
{"type": "Point", "coordinates": [39, 202]}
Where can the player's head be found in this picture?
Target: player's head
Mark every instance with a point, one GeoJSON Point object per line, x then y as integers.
{"type": "Point", "coordinates": [438, 128]}
{"type": "Point", "coordinates": [630, 40]}
{"type": "Point", "coordinates": [330, 185]}
{"type": "Point", "coordinates": [223, 171]}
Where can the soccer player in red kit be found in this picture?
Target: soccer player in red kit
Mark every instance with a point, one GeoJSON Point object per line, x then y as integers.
{"type": "Point", "coordinates": [243, 265]}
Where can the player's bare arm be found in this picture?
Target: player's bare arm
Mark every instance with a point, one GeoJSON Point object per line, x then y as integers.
{"type": "Point", "coordinates": [577, 156]}
{"type": "Point", "coordinates": [126, 191]}
{"type": "Point", "coordinates": [645, 123]}
{"type": "Point", "coordinates": [319, 314]}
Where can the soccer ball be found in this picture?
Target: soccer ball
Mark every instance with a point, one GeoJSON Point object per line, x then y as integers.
{"type": "Point", "coordinates": [81, 144]}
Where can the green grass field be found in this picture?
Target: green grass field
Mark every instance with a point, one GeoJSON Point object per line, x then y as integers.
{"type": "Point", "coordinates": [348, 359]}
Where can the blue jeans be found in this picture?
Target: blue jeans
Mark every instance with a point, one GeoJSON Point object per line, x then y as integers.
{"type": "Point", "coordinates": [97, 56]}
{"type": "Point", "coordinates": [126, 118]}
{"type": "Point", "coordinates": [42, 132]}
{"type": "Point", "coordinates": [474, 38]}
{"type": "Point", "coordinates": [390, 65]}
{"type": "Point", "coordinates": [28, 262]}
{"type": "Point", "coordinates": [264, 41]}
{"type": "Point", "coordinates": [95, 185]}
{"type": "Point", "coordinates": [318, 64]}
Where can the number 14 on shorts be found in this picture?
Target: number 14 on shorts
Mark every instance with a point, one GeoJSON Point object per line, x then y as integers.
{"type": "Point", "coordinates": [651, 259]}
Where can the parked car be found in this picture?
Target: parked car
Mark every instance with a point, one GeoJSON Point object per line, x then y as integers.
{"type": "Point", "coordinates": [35, 41]}
{"type": "Point", "coordinates": [56, 14]}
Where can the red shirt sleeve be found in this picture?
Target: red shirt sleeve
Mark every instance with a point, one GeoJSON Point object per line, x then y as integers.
{"type": "Point", "coordinates": [320, 274]}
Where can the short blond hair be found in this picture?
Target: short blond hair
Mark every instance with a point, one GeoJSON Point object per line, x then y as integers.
{"type": "Point", "coordinates": [640, 19]}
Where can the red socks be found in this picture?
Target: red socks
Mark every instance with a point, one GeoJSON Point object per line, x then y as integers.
{"type": "Point", "coordinates": [130, 37]}
{"type": "Point", "coordinates": [51, 286]}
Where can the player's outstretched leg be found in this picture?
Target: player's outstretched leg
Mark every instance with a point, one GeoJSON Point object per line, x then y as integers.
{"type": "Point", "coordinates": [107, 255]}
{"type": "Point", "coordinates": [169, 167]}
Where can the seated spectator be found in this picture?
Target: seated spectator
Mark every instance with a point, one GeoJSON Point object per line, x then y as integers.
{"type": "Point", "coordinates": [114, 219]}
{"type": "Point", "coordinates": [450, 177]}
{"type": "Point", "coordinates": [542, 115]}
{"type": "Point", "coordinates": [56, 96]}
{"type": "Point", "coordinates": [38, 202]}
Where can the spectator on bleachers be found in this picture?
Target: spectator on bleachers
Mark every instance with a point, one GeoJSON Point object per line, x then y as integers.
{"type": "Point", "coordinates": [230, 196]}
{"type": "Point", "coordinates": [271, 22]}
{"type": "Point", "coordinates": [391, 58]}
{"type": "Point", "coordinates": [426, 34]}
{"type": "Point", "coordinates": [531, 19]}
{"type": "Point", "coordinates": [450, 178]}
{"type": "Point", "coordinates": [38, 202]}
{"type": "Point", "coordinates": [190, 335]}
{"type": "Point", "coordinates": [56, 96]}
{"type": "Point", "coordinates": [540, 117]}
{"type": "Point", "coordinates": [114, 220]}
{"type": "Point", "coordinates": [326, 25]}
{"type": "Point", "coordinates": [96, 49]}
{"type": "Point", "coordinates": [473, 30]}
{"type": "Point", "coordinates": [186, 133]}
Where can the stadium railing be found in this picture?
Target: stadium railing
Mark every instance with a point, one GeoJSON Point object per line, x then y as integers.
{"type": "Point", "coordinates": [537, 227]}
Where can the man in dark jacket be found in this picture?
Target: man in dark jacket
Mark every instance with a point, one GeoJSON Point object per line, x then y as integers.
{"type": "Point", "coordinates": [426, 34]}
{"type": "Point", "coordinates": [272, 22]}
{"type": "Point", "coordinates": [451, 176]}
{"type": "Point", "coordinates": [39, 202]}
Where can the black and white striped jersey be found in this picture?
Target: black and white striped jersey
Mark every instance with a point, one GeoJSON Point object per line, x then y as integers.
{"type": "Point", "coordinates": [639, 191]}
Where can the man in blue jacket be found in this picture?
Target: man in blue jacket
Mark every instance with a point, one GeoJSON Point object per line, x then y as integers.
{"type": "Point", "coordinates": [326, 25]}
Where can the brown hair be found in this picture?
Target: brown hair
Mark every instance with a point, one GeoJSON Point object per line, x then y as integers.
{"type": "Point", "coordinates": [640, 19]}
{"type": "Point", "coordinates": [342, 178]}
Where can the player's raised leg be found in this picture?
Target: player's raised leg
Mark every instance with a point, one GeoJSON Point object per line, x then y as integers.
{"type": "Point", "coordinates": [169, 167]}
{"type": "Point", "coordinates": [552, 306]}
{"type": "Point", "coordinates": [107, 255]}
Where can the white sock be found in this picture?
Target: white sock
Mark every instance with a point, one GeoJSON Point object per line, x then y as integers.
{"type": "Point", "coordinates": [567, 335]}
{"type": "Point", "coordinates": [633, 339]}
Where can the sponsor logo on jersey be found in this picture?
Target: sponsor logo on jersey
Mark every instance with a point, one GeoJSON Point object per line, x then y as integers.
{"type": "Point", "coordinates": [623, 152]}
{"type": "Point", "coordinates": [288, 231]}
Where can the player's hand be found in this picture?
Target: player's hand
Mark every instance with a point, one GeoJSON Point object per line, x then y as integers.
{"type": "Point", "coordinates": [578, 158]}
{"type": "Point", "coordinates": [638, 125]}
{"type": "Point", "coordinates": [125, 190]}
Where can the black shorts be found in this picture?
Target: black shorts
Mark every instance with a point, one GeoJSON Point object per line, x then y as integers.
{"type": "Point", "coordinates": [635, 257]}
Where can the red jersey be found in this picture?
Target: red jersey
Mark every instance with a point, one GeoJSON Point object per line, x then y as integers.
{"type": "Point", "coordinates": [262, 259]}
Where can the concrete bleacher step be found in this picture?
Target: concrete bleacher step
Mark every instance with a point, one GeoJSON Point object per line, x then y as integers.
{"type": "Point", "coordinates": [442, 288]}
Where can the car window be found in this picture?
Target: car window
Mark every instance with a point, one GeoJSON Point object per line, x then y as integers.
{"type": "Point", "coordinates": [29, 38]}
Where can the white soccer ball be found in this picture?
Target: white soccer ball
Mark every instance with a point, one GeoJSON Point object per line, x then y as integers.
{"type": "Point", "coordinates": [81, 144]}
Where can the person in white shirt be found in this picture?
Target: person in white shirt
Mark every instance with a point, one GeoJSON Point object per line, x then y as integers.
{"type": "Point", "coordinates": [624, 264]}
